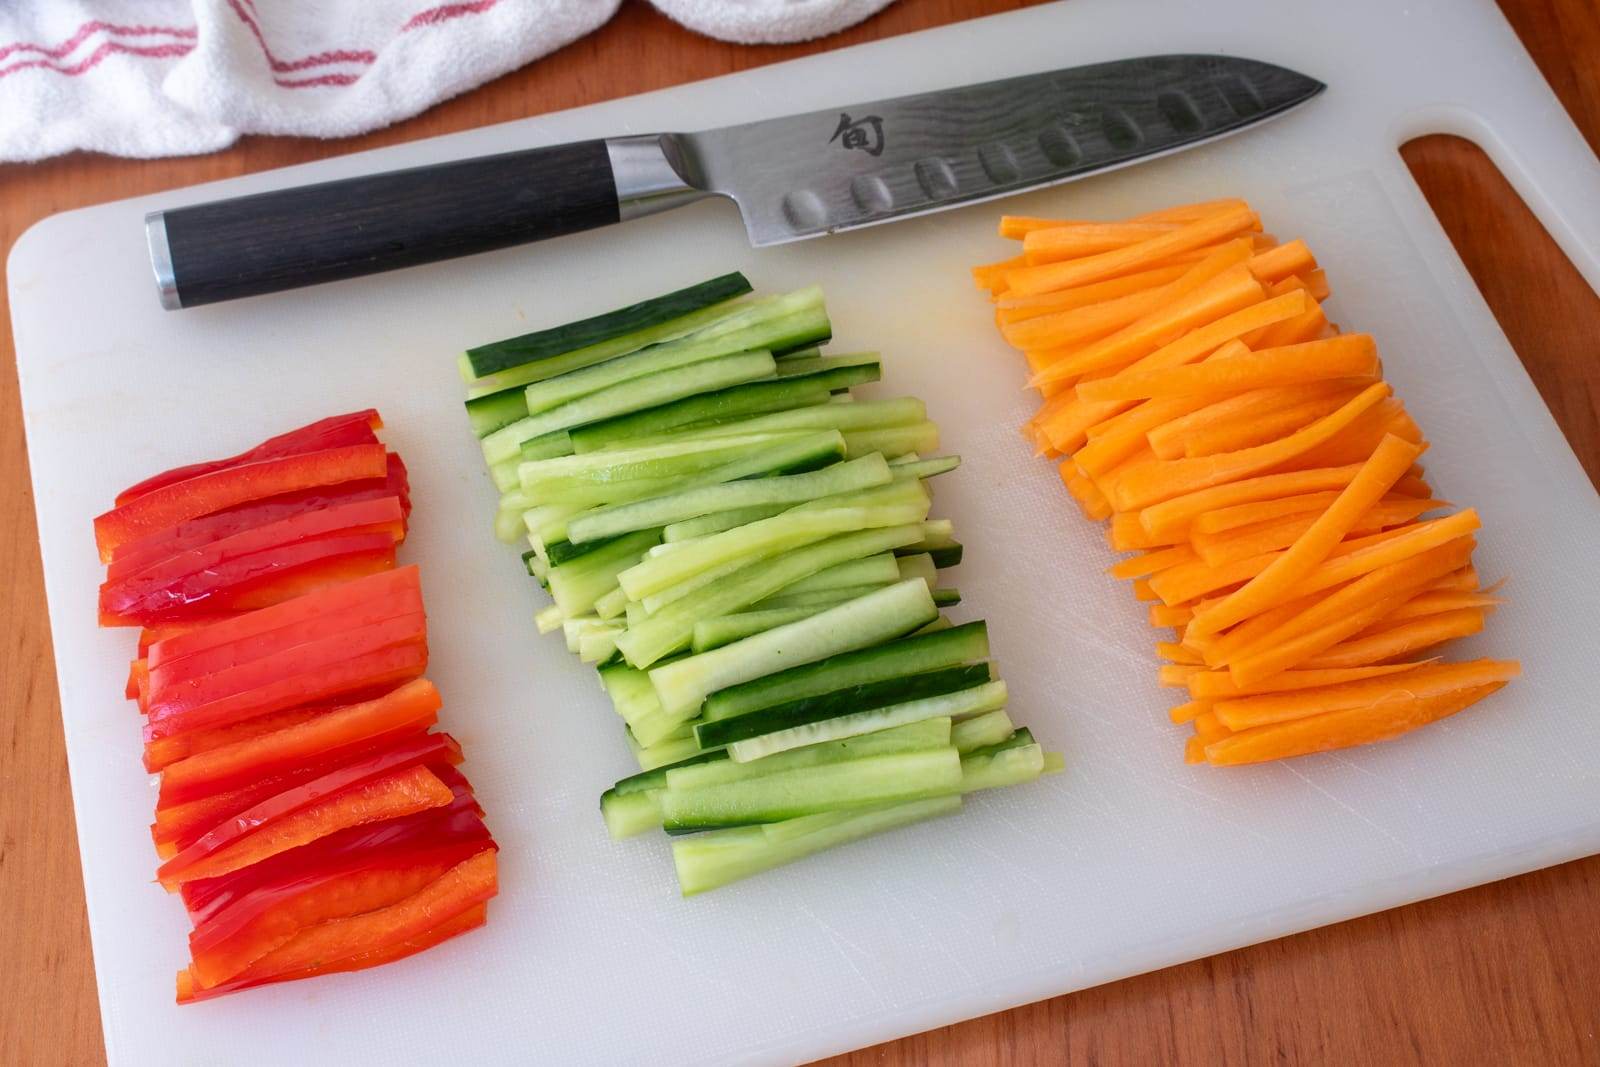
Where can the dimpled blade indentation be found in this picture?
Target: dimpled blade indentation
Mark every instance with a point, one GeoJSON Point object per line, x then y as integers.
{"type": "Point", "coordinates": [804, 210]}
{"type": "Point", "coordinates": [935, 177]}
{"type": "Point", "coordinates": [1241, 96]}
{"type": "Point", "coordinates": [1059, 147]}
{"type": "Point", "coordinates": [871, 193]}
{"type": "Point", "coordinates": [1121, 132]}
{"type": "Point", "coordinates": [1180, 112]}
{"type": "Point", "coordinates": [999, 164]}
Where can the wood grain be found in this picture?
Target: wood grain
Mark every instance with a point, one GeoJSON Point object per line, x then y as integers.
{"type": "Point", "coordinates": [1506, 973]}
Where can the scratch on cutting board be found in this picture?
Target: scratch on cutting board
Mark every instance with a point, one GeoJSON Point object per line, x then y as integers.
{"type": "Point", "coordinates": [1159, 780]}
{"type": "Point", "coordinates": [1101, 719]}
{"type": "Point", "coordinates": [1353, 765]}
{"type": "Point", "coordinates": [847, 951]}
{"type": "Point", "coordinates": [1078, 801]}
{"type": "Point", "coordinates": [934, 935]}
{"type": "Point", "coordinates": [1110, 810]}
{"type": "Point", "coordinates": [691, 962]}
{"type": "Point", "coordinates": [1120, 650]}
{"type": "Point", "coordinates": [979, 846]}
{"type": "Point", "coordinates": [1409, 851]}
{"type": "Point", "coordinates": [1246, 827]}
{"type": "Point", "coordinates": [1104, 811]}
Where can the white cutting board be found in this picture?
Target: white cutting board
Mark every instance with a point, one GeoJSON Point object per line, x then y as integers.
{"type": "Point", "coordinates": [1127, 862]}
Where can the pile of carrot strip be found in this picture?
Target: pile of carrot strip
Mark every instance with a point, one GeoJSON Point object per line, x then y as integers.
{"type": "Point", "coordinates": [1250, 455]}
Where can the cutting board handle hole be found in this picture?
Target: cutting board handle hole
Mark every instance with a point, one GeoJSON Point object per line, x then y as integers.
{"type": "Point", "coordinates": [1508, 252]}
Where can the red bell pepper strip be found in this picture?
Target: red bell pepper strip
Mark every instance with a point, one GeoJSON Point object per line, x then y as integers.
{"type": "Point", "coordinates": [375, 883]}
{"type": "Point", "coordinates": [219, 907]}
{"type": "Point", "coordinates": [388, 796]}
{"type": "Point", "coordinates": [398, 482]}
{"type": "Point", "coordinates": [160, 587]}
{"type": "Point", "coordinates": [286, 613]}
{"type": "Point", "coordinates": [452, 777]}
{"type": "Point", "coordinates": [337, 898]}
{"type": "Point", "coordinates": [369, 514]}
{"type": "Point", "coordinates": [131, 555]}
{"type": "Point", "coordinates": [471, 882]}
{"type": "Point", "coordinates": [333, 432]}
{"type": "Point", "coordinates": [304, 670]}
{"type": "Point", "coordinates": [181, 824]}
{"type": "Point", "coordinates": [172, 749]}
{"type": "Point", "coordinates": [228, 584]}
{"type": "Point", "coordinates": [151, 635]}
{"type": "Point", "coordinates": [302, 658]}
{"type": "Point", "coordinates": [470, 919]}
{"type": "Point", "coordinates": [404, 601]}
{"type": "Point", "coordinates": [178, 826]}
{"type": "Point", "coordinates": [359, 678]}
{"type": "Point", "coordinates": [135, 556]}
{"type": "Point", "coordinates": [461, 889]}
{"type": "Point", "coordinates": [207, 493]}
{"type": "Point", "coordinates": [412, 708]}
{"type": "Point", "coordinates": [170, 583]}
{"type": "Point", "coordinates": [189, 991]}
{"type": "Point", "coordinates": [334, 570]}
{"type": "Point", "coordinates": [409, 753]}
{"type": "Point", "coordinates": [138, 680]}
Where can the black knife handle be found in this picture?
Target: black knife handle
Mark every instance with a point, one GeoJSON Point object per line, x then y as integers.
{"type": "Point", "coordinates": [343, 229]}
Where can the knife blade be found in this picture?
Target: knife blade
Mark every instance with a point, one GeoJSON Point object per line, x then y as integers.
{"type": "Point", "coordinates": [792, 178]}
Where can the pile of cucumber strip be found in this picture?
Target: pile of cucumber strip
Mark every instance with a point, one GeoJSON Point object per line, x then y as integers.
{"type": "Point", "coordinates": [742, 547]}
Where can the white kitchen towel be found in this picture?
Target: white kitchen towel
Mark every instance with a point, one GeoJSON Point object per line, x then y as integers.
{"type": "Point", "coordinates": [176, 77]}
{"type": "Point", "coordinates": [769, 21]}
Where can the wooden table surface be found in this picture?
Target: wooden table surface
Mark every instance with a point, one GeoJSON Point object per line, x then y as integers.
{"type": "Point", "coordinates": [1508, 972]}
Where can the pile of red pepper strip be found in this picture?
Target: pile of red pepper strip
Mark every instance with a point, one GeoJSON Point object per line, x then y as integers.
{"type": "Point", "coordinates": [308, 816]}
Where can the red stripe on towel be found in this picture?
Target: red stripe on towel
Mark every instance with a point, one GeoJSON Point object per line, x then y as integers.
{"type": "Point", "coordinates": [87, 30]}
{"type": "Point", "coordinates": [289, 66]}
{"type": "Point", "coordinates": [445, 12]}
{"type": "Point", "coordinates": [160, 51]}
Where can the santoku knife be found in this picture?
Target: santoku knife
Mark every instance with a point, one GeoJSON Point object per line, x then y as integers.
{"type": "Point", "coordinates": [793, 177]}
